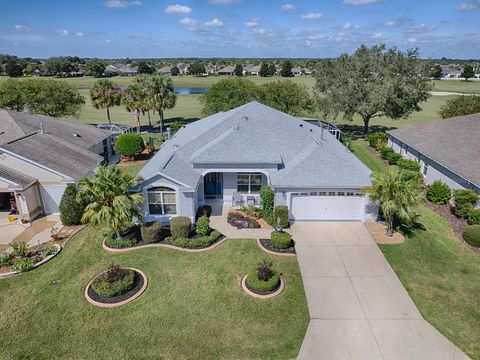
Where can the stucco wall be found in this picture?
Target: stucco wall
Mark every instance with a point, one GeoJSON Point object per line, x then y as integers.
{"type": "Point", "coordinates": [51, 196]}
{"type": "Point", "coordinates": [29, 202]}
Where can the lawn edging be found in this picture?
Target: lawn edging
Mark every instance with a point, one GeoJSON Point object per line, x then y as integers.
{"type": "Point", "coordinates": [168, 246]}
{"type": "Point", "coordinates": [259, 296]}
{"type": "Point", "coordinates": [260, 245]}
{"type": "Point", "coordinates": [48, 258]}
{"type": "Point", "coordinates": [126, 301]}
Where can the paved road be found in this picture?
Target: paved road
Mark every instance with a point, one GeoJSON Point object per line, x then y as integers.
{"type": "Point", "coordinates": [358, 307]}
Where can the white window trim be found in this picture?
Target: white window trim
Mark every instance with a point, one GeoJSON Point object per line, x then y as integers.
{"type": "Point", "coordinates": [250, 182]}
{"type": "Point", "coordinates": [162, 203]}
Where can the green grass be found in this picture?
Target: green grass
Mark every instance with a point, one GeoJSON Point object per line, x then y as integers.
{"type": "Point", "coordinates": [438, 270]}
{"type": "Point", "coordinates": [193, 308]}
{"type": "Point", "coordinates": [460, 86]}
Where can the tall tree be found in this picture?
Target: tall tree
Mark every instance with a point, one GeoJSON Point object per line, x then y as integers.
{"type": "Point", "coordinates": [13, 68]}
{"type": "Point", "coordinates": [134, 99]}
{"type": "Point", "coordinates": [105, 94]}
{"type": "Point", "coordinates": [144, 68]}
{"type": "Point", "coordinates": [110, 200]}
{"type": "Point", "coordinates": [161, 95]}
{"type": "Point", "coordinates": [458, 106]}
{"type": "Point", "coordinates": [286, 70]}
{"type": "Point", "coordinates": [264, 70]}
{"type": "Point", "coordinates": [11, 95]}
{"type": "Point", "coordinates": [95, 68]}
{"type": "Point", "coordinates": [286, 96]}
{"type": "Point", "coordinates": [272, 70]}
{"type": "Point", "coordinates": [142, 80]}
{"type": "Point", "coordinates": [196, 68]}
{"type": "Point", "coordinates": [372, 82]}
{"type": "Point", "coordinates": [436, 71]}
{"type": "Point", "coordinates": [467, 72]}
{"type": "Point", "coordinates": [238, 71]}
{"type": "Point", "coordinates": [398, 192]}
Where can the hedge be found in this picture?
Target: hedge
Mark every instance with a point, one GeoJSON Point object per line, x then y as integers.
{"type": "Point", "coordinates": [281, 239]}
{"type": "Point", "coordinates": [378, 140]}
{"type": "Point", "coordinates": [152, 232]}
{"type": "Point", "coordinates": [474, 217]}
{"type": "Point", "coordinates": [268, 197]}
{"type": "Point", "coordinates": [393, 158]}
{"type": "Point", "coordinates": [472, 235]}
{"type": "Point", "coordinates": [260, 286]}
{"type": "Point", "coordinates": [202, 226]}
{"type": "Point", "coordinates": [464, 201]}
{"type": "Point", "coordinates": [281, 211]}
{"type": "Point", "coordinates": [385, 152]}
{"type": "Point", "coordinates": [71, 211]}
{"type": "Point", "coordinates": [407, 164]}
{"type": "Point", "coordinates": [438, 192]}
{"type": "Point", "coordinates": [120, 243]}
{"type": "Point", "coordinates": [192, 243]}
{"type": "Point", "coordinates": [180, 226]}
{"type": "Point", "coordinates": [129, 144]}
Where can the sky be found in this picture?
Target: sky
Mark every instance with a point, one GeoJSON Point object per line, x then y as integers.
{"type": "Point", "coordinates": [236, 28]}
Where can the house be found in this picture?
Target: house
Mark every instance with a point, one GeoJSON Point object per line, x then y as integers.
{"type": "Point", "coordinates": [234, 153]}
{"type": "Point", "coordinates": [182, 68]}
{"type": "Point", "coordinates": [111, 70]}
{"type": "Point", "coordinates": [296, 71]}
{"type": "Point", "coordinates": [40, 155]}
{"type": "Point", "coordinates": [448, 150]}
{"type": "Point", "coordinates": [167, 69]}
{"type": "Point", "coordinates": [451, 71]}
{"type": "Point", "coordinates": [252, 69]}
{"type": "Point", "coordinates": [227, 70]}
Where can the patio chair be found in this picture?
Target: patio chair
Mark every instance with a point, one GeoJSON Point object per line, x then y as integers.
{"type": "Point", "coordinates": [237, 199]}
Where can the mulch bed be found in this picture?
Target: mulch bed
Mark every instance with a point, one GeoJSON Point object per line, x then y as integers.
{"type": "Point", "coordinates": [138, 285]}
{"type": "Point", "coordinates": [378, 231]}
{"type": "Point", "coordinates": [445, 211]}
{"type": "Point", "coordinates": [267, 243]}
{"type": "Point", "coordinates": [262, 292]}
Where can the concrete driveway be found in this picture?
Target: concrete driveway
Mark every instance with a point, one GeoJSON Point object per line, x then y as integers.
{"type": "Point", "coordinates": [358, 307]}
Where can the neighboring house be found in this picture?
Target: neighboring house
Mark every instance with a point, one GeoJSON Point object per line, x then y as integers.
{"type": "Point", "coordinates": [234, 153]}
{"type": "Point", "coordinates": [120, 70]}
{"type": "Point", "coordinates": [448, 150]}
{"type": "Point", "coordinates": [227, 70]}
{"type": "Point", "coordinates": [252, 69]}
{"type": "Point", "coordinates": [167, 69]}
{"type": "Point", "coordinates": [40, 155]}
{"type": "Point", "coordinates": [183, 68]}
{"type": "Point", "coordinates": [451, 71]}
{"type": "Point", "coordinates": [296, 71]}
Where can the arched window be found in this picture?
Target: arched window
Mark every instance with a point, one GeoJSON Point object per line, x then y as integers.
{"type": "Point", "coordinates": [162, 201]}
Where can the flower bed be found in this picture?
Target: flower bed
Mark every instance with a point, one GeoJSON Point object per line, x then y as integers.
{"type": "Point", "coordinates": [264, 282]}
{"type": "Point", "coordinates": [242, 221]}
{"type": "Point", "coordinates": [267, 244]}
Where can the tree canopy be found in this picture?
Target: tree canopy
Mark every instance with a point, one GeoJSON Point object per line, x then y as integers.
{"type": "Point", "coordinates": [372, 82]}
{"type": "Point", "coordinates": [460, 105]}
{"type": "Point", "coordinates": [160, 95]}
{"type": "Point", "coordinates": [286, 96]}
{"type": "Point", "coordinates": [104, 94]}
{"type": "Point", "coordinates": [468, 72]}
{"type": "Point", "coordinates": [286, 70]}
{"type": "Point", "coordinates": [196, 68]}
{"type": "Point", "coordinates": [264, 70]}
{"type": "Point", "coordinates": [238, 71]}
{"type": "Point", "coordinates": [95, 68]}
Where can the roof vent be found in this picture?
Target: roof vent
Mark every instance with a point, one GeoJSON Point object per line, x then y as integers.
{"type": "Point", "coordinates": [301, 125]}
{"type": "Point", "coordinates": [236, 127]}
{"type": "Point", "coordinates": [245, 118]}
{"type": "Point", "coordinates": [175, 147]}
{"type": "Point", "coordinates": [42, 129]}
{"type": "Point", "coordinates": [76, 135]}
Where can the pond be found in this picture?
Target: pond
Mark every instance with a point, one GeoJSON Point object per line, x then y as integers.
{"type": "Point", "coordinates": [190, 90]}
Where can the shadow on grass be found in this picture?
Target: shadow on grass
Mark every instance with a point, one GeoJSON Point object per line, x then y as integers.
{"type": "Point", "coordinates": [354, 132]}
{"type": "Point", "coordinates": [410, 228]}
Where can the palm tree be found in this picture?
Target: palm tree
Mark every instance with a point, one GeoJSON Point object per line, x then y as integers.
{"type": "Point", "coordinates": [398, 192]}
{"type": "Point", "coordinates": [143, 81]}
{"type": "Point", "coordinates": [110, 200]}
{"type": "Point", "coordinates": [161, 95]}
{"type": "Point", "coordinates": [105, 94]}
{"type": "Point", "coordinates": [135, 100]}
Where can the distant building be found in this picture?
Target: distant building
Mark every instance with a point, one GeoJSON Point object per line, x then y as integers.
{"type": "Point", "coordinates": [227, 70]}
{"type": "Point", "coordinates": [167, 69]}
{"type": "Point", "coordinates": [120, 69]}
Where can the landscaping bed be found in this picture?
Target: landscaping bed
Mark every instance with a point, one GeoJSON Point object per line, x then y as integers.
{"type": "Point", "coordinates": [240, 220]}
{"type": "Point", "coordinates": [263, 282]}
{"type": "Point", "coordinates": [267, 244]}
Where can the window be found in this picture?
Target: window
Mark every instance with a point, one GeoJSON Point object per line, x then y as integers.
{"type": "Point", "coordinates": [425, 169]}
{"type": "Point", "coordinates": [358, 194]}
{"type": "Point", "coordinates": [341, 193]}
{"type": "Point", "coordinates": [331, 193]}
{"type": "Point", "coordinates": [161, 201]}
{"type": "Point", "coordinates": [249, 183]}
{"type": "Point", "coordinates": [313, 193]}
{"type": "Point", "coordinates": [322, 193]}
{"type": "Point", "coordinates": [350, 194]}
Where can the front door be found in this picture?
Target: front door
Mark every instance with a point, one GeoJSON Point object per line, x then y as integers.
{"type": "Point", "coordinates": [213, 185]}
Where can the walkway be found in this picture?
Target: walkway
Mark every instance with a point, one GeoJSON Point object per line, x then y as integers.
{"type": "Point", "coordinates": [358, 307]}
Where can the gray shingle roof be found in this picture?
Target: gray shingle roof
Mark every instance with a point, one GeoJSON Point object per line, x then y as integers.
{"type": "Point", "coordinates": [257, 133]}
{"type": "Point", "coordinates": [16, 179]}
{"type": "Point", "coordinates": [452, 143]}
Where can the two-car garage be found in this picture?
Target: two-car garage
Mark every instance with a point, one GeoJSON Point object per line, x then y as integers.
{"type": "Point", "coordinates": [328, 205]}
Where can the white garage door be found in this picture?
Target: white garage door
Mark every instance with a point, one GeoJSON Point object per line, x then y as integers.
{"type": "Point", "coordinates": [51, 196]}
{"type": "Point", "coordinates": [306, 207]}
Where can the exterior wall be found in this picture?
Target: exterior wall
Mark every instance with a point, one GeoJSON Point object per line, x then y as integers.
{"type": "Point", "coordinates": [435, 171]}
{"type": "Point", "coordinates": [230, 186]}
{"type": "Point", "coordinates": [29, 202]}
{"type": "Point", "coordinates": [51, 196]}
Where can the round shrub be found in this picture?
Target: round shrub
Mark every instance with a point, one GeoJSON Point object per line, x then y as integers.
{"type": "Point", "coordinates": [113, 243]}
{"type": "Point", "coordinates": [393, 158]}
{"type": "Point", "coordinates": [262, 286]}
{"type": "Point", "coordinates": [472, 235]}
{"type": "Point", "coordinates": [378, 140]}
{"type": "Point", "coordinates": [22, 264]}
{"type": "Point", "coordinates": [407, 164]}
{"type": "Point", "coordinates": [180, 226]}
{"type": "Point", "coordinates": [202, 227]}
{"type": "Point", "coordinates": [385, 152]}
{"type": "Point", "coordinates": [438, 192]}
{"type": "Point", "coordinates": [464, 201]}
{"type": "Point", "coordinates": [281, 212]}
{"type": "Point", "coordinates": [71, 210]}
{"type": "Point", "coordinates": [152, 232]}
{"type": "Point", "coordinates": [281, 239]}
{"type": "Point", "coordinates": [114, 282]}
{"type": "Point", "coordinates": [129, 144]}
{"type": "Point", "coordinates": [474, 217]}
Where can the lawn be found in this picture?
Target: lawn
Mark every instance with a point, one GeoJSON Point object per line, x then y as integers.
{"type": "Point", "coordinates": [193, 308]}
{"type": "Point", "coordinates": [438, 270]}
{"type": "Point", "coordinates": [460, 86]}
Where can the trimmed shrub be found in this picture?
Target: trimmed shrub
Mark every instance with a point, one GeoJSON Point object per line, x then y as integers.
{"type": "Point", "coordinates": [281, 211]}
{"type": "Point", "coordinates": [378, 140]}
{"type": "Point", "coordinates": [180, 226]}
{"type": "Point", "coordinates": [438, 192]}
{"type": "Point", "coordinates": [205, 210]}
{"type": "Point", "coordinates": [202, 227]}
{"type": "Point", "coordinates": [385, 152]}
{"type": "Point", "coordinates": [152, 232]}
{"type": "Point", "coordinates": [464, 201]}
{"type": "Point", "coordinates": [281, 239]}
{"type": "Point", "coordinates": [22, 264]}
{"type": "Point", "coordinates": [393, 158]}
{"type": "Point", "coordinates": [472, 235]}
{"type": "Point", "coordinates": [264, 279]}
{"type": "Point", "coordinates": [407, 164]}
{"type": "Point", "coordinates": [113, 243]}
{"type": "Point", "coordinates": [71, 210]}
{"type": "Point", "coordinates": [129, 144]}
{"type": "Point", "coordinates": [268, 197]}
{"type": "Point", "coordinates": [192, 243]}
{"type": "Point", "coordinates": [474, 217]}
{"type": "Point", "coordinates": [114, 282]}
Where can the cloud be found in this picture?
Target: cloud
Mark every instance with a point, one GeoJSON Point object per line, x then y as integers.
{"type": "Point", "coordinates": [421, 28]}
{"type": "Point", "coordinates": [312, 16]}
{"type": "Point", "coordinates": [62, 32]}
{"type": "Point", "coordinates": [469, 5]}
{"type": "Point", "coordinates": [264, 33]}
{"type": "Point", "coordinates": [80, 34]}
{"type": "Point", "coordinates": [348, 26]}
{"type": "Point", "coordinates": [190, 23]}
{"type": "Point", "coordinates": [253, 23]}
{"type": "Point", "coordinates": [400, 20]}
{"type": "Point", "coordinates": [360, 2]}
{"type": "Point", "coordinates": [412, 40]}
{"type": "Point", "coordinates": [177, 9]}
{"type": "Point", "coordinates": [118, 4]}
{"type": "Point", "coordinates": [22, 28]}
{"type": "Point", "coordinates": [288, 7]}
{"type": "Point", "coordinates": [23, 38]}
{"type": "Point", "coordinates": [223, 2]}
{"type": "Point", "coordinates": [216, 22]}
